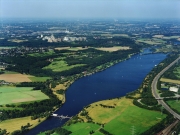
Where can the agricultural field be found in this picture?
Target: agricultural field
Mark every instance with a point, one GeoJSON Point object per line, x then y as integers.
{"type": "Point", "coordinates": [174, 104]}
{"type": "Point", "coordinates": [150, 41]}
{"type": "Point", "coordinates": [38, 79]}
{"type": "Point", "coordinates": [17, 40]}
{"type": "Point", "coordinates": [114, 35]}
{"type": "Point", "coordinates": [15, 124]}
{"type": "Point", "coordinates": [70, 48]}
{"type": "Point", "coordinates": [166, 37]}
{"type": "Point", "coordinates": [170, 80]}
{"type": "Point", "coordinates": [119, 116]}
{"type": "Point", "coordinates": [42, 54]}
{"type": "Point", "coordinates": [10, 76]}
{"type": "Point", "coordinates": [82, 128]}
{"type": "Point", "coordinates": [15, 77]}
{"type": "Point", "coordinates": [112, 49]}
{"type": "Point", "coordinates": [10, 95]}
{"type": "Point", "coordinates": [60, 65]}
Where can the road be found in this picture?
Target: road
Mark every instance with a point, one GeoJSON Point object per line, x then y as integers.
{"type": "Point", "coordinates": [156, 95]}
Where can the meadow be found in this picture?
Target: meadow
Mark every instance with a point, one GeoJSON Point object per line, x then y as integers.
{"type": "Point", "coordinates": [59, 65]}
{"type": "Point", "coordinates": [15, 124]}
{"type": "Point", "coordinates": [10, 95]}
{"type": "Point", "coordinates": [174, 104]}
{"type": "Point", "coordinates": [118, 120]}
{"type": "Point", "coordinates": [149, 41]}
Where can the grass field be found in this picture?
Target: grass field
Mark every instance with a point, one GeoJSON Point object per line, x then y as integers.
{"type": "Point", "coordinates": [174, 104]}
{"type": "Point", "coordinates": [10, 95]}
{"type": "Point", "coordinates": [60, 65]}
{"type": "Point", "coordinates": [39, 79]}
{"type": "Point", "coordinates": [15, 124]}
{"type": "Point", "coordinates": [120, 120]}
{"type": "Point", "coordinates": [41, 54]}
{"type": "Point", "coordinates": [82, 128]}
{"type": "Point", "coordinates": [70, 48]}
{"type": "Point", "coordinates": [114, 35]}
{"type": "Point", "coordinates": [112, 49]}
{"type": "Point", "coordinates": [170, 80]}
{"type": "Point", "coordinates": [149, 41]}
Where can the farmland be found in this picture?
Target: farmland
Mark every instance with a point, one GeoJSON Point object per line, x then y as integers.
{"type": "Point", "coordinates": [15, 124]}
{"type": "Point", "coordinates": [17, 77]}
{"type": "Point", "coordinates": [10, 95]}
{"type": "Point", "coordinates": [112, 49]}
{"type": "Point", "coordinates": [170, 81]}
{"type": "Point", "coordinates": [119, 119]}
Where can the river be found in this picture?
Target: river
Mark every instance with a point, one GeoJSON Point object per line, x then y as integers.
{"type": "Point", "coordinates": [113, 82]}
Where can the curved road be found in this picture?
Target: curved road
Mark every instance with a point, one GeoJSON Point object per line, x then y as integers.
{"type": "Point", "coordinates": [156, 95]}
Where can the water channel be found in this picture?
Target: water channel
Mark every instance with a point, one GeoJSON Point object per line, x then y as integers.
{"type": "Point", "coordinates": [113, 82]}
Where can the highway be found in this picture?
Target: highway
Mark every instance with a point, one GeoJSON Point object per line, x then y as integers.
{"type": "Point", "coordinates": [156, 95]}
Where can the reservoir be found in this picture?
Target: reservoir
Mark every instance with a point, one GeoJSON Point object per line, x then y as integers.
{"type": "Point", "coordinates": [113, 82]}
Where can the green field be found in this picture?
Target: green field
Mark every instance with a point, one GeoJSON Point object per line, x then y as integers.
{"type": "Point", "coordinates": [10, 95]}
{"type": "Point", "coordinates": [150, 41]}
{"type": "Point", "coordinates": [41, 54]}
{"type": "Point", "coordinates": [82, 128]}
{"type": "Point", "coordinates": [174, 104]}
{"type": "Point", "coordinates": [39, 79]}
{"type": "Point", "coordinates": [60, 65]}
{"type": "Point", "coordinates": [141, 119]}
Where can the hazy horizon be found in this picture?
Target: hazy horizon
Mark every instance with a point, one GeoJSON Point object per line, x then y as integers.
{"type": "Point", "coordinates": [146, 9]}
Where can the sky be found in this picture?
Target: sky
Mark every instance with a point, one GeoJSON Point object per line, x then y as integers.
{"type": "Point", "coordinates": [165, 9]}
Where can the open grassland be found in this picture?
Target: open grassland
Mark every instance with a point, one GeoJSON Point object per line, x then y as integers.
{"type": "Point", "coordinates": [10, 95]}
{"type": "Point", "coordinates": [41, 54]}
{"type": "Point", "coordinates": [174, 104]}
{"type": "Point", "coordinates": [15, 78]}
{"type": "Point", "coordinates": [39, 79]}
{"type": "Point", "coordinates": [114, 35]}
{"type": "Point", "coordinates": [112, 49]}
{"type": "Point", "coordinates": [15, 124]}
{"type": "Point", "coordinates": [149, 41]}
{"type": "Point", "coordinates": [120, 119]}
{"type": "Point", "coordinates": [60, 65]}
{"type": "Point", "coordinates": [82, 128]}
{"type": "Point", "coordinates": [70, 48]}
{"type": "Point", "coordinates": [170, 80]}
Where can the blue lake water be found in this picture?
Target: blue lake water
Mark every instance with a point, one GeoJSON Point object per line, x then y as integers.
{"type": "Point", "coordinates": [113, 82]}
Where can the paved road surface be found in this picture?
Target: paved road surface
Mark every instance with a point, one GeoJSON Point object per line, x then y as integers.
{"type": "Point", "coordinates": [156, 95]}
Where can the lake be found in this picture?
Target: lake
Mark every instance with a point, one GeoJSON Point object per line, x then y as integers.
{"type": "Point", "coordinates": [113, 82]}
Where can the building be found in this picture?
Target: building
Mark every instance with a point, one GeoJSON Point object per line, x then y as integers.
{"type": "Point", "coordinates": [174, 89]}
